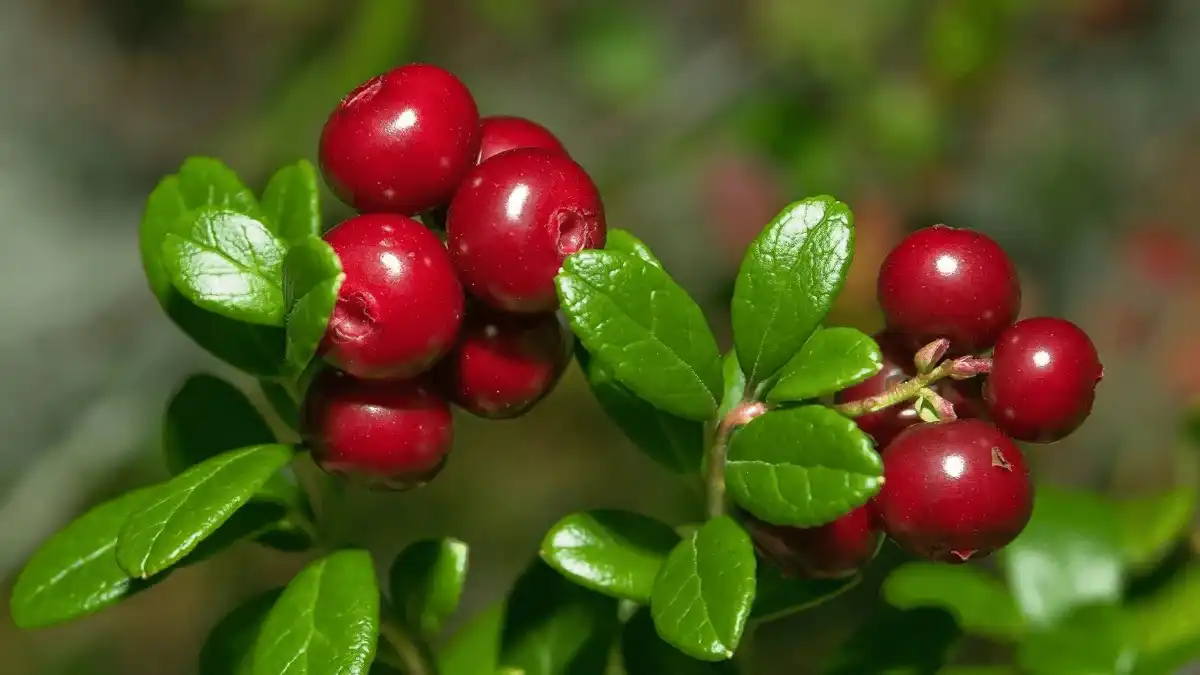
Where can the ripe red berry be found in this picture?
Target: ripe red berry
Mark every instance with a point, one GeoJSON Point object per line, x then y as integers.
{"type": "Point", "coordinates": [400, 306]}
{"type": "Point", "coordinates": [1043, 379]}
{"type": "Point", "coordinates": [401, 142]}
{"type": "Point", "coordinates": [515, 219]}
{"type": "Point", "coordinates": [954, 490]}
{"type": "Point", "coordinates": [504, 363]}
{"type": "Point", "coordinates": [501, 133]}
{"type": "Point", "coordinates": [830, 551]}
{"type": "Point", "coordinates": [384, 433]}
{"type": "Point", "coordinates": [948, 282]}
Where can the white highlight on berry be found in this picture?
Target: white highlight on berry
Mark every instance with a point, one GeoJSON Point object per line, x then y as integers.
{"type": "Point", "coordinates": [1041, 358]}
{"type": "Point", "coordinates": [516, 201]}
{"type": "Point", "coordinates": [947, 265]}
{"type": "Point", "coordinates": [954, 466]}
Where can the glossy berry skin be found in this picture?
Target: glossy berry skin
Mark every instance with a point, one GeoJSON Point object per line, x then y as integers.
{"type": "Point", "coordinates": [831, 551]}
{"type": "Point", "coordinates": [953, 491]}
{"type": "Point", "coordinates": [1043, 379]}
{"type": "Point", "coordinates": [515, 219]}
{"type": "Point", "coordinates": [948, 282]}
{"type": "Point", "coordinates": [400, 306]}
{"type": "Point", "coordinates": [501, 133]}
{"type": "Point", "coordinates": [393, 434]}
{"type": "Point", "coordinates": [401, 142]}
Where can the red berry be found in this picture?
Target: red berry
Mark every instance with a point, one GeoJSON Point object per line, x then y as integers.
{"type": "Point", "coordinates": [400, 307]}
{"type": "Point", "coordinates": [948, 282]}
{"type": "Point", "coordinates": [1043, 379]}
{"type": "Point", "coordinates": [830, 551]}
{"type": "Point", "coordinates": [515, 219]}
{"type": "Point", "coordinates": [385, 433]}
{"type": "Point", "coordinates": [401, 142]}
{"type": "Point", "coordinates": [954, 490]}
{"type": "Point", "coordinates": [501, 133]}
{"type": "Point", "coordinates": [504, 363]}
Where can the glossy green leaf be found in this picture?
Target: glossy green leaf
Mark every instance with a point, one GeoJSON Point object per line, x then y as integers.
{"type": "Point", "coordinates": [229, 264]}
{"type": "Point", "coordinates": [778, 597]}
{"type": "Point", "coordinates": [617, 553]}
{"type": "Point", "coordinates": [980, 603]}
{"type": "Point", "coordinates": [1150, 525]}
{"type": "Point", "coordinates": [291, 203]}
{"type": "Point", "coordinates": [791, 274]}
{"type": "Point", "coordinates": [644, 329]}
{"type": "Point", "coordinates": [734, 381]}
{"type": "Point", "coordinates": [75, 572]}
{"type": "Point", "coordinates": [312, 276]}
{"type": "Point", "coordinates": [474, 648]}
{"type": "Point", "coordinates": [209, 416]}
{"type": "Point", "coordinates": [832, 359]}
{"type": "Point", "coordinates": [229, 649]}
{"type": "Point", "coordinates": [1168, 620]}
{"type": "Point", "coordinates": [897, 642]}
{"type": "Point", "coordinates": [1090, 640]}
{"type": "Point", "coordinates": [193, 505]}
{"type": "Point", "coordinates": [802, 466]}
{"type": "Point", "coordinates": [555, 627]}
{"type": "Point", "coordinates": [705, 590]}
{"type": "Point", "coordinates": [644, 653]}
{"type": "Point", "coordinates": [622, 241]}
{"type": "Point", "coordinates": [326, 621]}
{"type": "Point", "coordinates": [426, 582]}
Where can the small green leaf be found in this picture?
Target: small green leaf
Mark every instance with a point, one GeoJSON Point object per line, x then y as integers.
{"type": "Point", "coordinates": [778, 597]}
{"type": "Point", "coordinates": [426, 582]}
{"type": "Point", "coordinates": [831, 360]}
{"type": "Point", "coordinates": [704, 592]}
{"type": "Point", "coordinates": [1168, 620]}
{"type": "Point", "coordinates": [229, 649]}
{"type": "Point", "coordinates": [980, 604]}
{"type": "Point", "coordinates": [229, 264]}
{"type": "Point", "coordinates": [475, 647]}
{"type": "Point", "coordinates": [312, 277]}
{"type": "Point", "coordinates": [617, 553]}
{"type": "Point", "coordinates": [1150, 525]}
{"type": "Point", "coordinates": [644, 653]}
{"type": "Point", "coordinates": [554, 627]}
{"type": "Point", "coordinates": [75, 572]}
{"type": "Point", "coordinates": [1091, 639]}
{"type": "Point", "coordinates": [788, 281]}
{"type": "Point", "coordinates": [644, 329]}
{"type": "Point", "coordinates": [802, 466]}
{"type": "Point", "coordinates": [899, 642]}
{"type": "Point", "coordinates": [326, 621]}
{"type": "Point", "coordinates": [191, 506]}
{"type": "Point", "coordinates": [735, 384]}
{"type": "Point", "coordinates": [622, 241]}
{"type": "Point", "coordinates": [291, 203]}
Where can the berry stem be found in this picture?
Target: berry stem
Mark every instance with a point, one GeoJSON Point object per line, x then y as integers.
{"type": "Point", "coordinates": [960, 368]}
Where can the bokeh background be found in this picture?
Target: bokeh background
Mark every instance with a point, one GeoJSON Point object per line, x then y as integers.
{"type": "Point", "coordinates": [1069, 130]}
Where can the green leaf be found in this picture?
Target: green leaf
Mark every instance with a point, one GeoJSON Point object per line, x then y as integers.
{"type": "Point", "coordinates": [209, 416]}
{"type": "Point", "coordinates": [1168, 620]}
{"type": "Point", "coordinates": [291, 203]}
{"type": "Point", "coordinates": [1150, 525]}
{"type": "Point", "coordinates": [326, 621]}
{"type": "Point", "coordinates": [193, 505]}
{"type": "Point", "coordinates": [831, 360]}
{"type": "Point", "coordinates": [1090, 640]}
{"type": "Point", "coordinates": [426, 582]}
{"type": "Point", "coordinates": [980, 604]}
{"type": "Point", "coordinates": [704, 592]}
{"type": "Point", "coordinates": [75, 572]}
{"type": "Point", "coordinates": [1069, 555]}
{"type": "Point", "coordinates": [735, 384]}
{"type": "Point", "coordinates": [621, 241]}
{"type": "Point", "coordinates": [788, 281]}
{"type": "Point", "coordinates": [617, 553]}
{"type": "Point", "coordinates": [312, 276]}
{"type": "Point", "coordinates": [475, 647]}
{"type": "Point", "coordinates": [802, 466]}
{"type": "Point", "coordinates": [554, 627]}
{"type": "Point", "coordinates": [281, 401]}
{"type": "Point", "coordinates": [644, 653]}
{"type": "Point", "coordinates": [778, 597]}
{"type": "Point", "coordinates": [644, 329]}
{"type": "Point", "coordinates": [897, 642]}
{"type": "Point", "coordinates": [229, 649]}
{"type": "Point", "coordinates": [229, 264]}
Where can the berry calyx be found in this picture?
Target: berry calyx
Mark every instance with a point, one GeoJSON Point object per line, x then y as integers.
{"type": "Point", "coordinates": [945, 282]}
{"type": "Point", "coordinates": [953, 491]}
{"type": "Point", "coordinates": [1043, 379]}
{"type": "Point", "coordinates": [400, 306]}
{"type": "Point", "coordinates": [515, 219]}
{"type": "Point", "coordinates": [393, 434]}
{"type": "Point", "coordinates": [504, 363]}
{"type": "Point", "coordinates": [401, 142]}
{"type": "Point", "coordinates": [501, 133]}
{"type": "Point", "coordinates": [831, 551]}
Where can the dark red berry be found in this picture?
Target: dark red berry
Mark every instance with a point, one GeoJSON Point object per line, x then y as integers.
{"type": "Point", "coordinates": [515, 219]}
{"type": "Point", "coordinates": [953, 491]}
{"type": "Point", "coordinates": [504, 363]}
{"type": "Point", "coordinates": [400, 307]}
{"type": "Point", "coordinates": [948, 282]}
{"type": "Point", "coordinates": [394, 434]}
{"type": "Point", "coordinates": [830, 551]}
{"type": "Point", "coordinates": [501, 133]}
{"type": "Point", "coordinates": [1043, 379]}
{"type": "Point", "coordinates": [401, 142]}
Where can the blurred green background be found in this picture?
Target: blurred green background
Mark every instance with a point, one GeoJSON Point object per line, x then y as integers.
{"type": "Point", "coordinates": [1069, 130]}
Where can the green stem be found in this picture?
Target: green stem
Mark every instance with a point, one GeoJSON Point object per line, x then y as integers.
{"type": "Point", "coordinates": [411, 656]}
{"type": "Point", "coordinates": [905, 391]}
{"type": "Point", "coordinates": [718, 452]}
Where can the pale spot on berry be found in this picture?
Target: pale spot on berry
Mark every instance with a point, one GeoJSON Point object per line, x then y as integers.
{"type": "Point", "coordinates": [963, 555]}
{"type": "Point", "coordinates": [491, 331]}
{"type": "Point", "coordinates": [998, 460]}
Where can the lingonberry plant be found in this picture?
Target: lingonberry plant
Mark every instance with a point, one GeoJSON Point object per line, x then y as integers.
{"type": "Point", "coordinates": [813, 442]}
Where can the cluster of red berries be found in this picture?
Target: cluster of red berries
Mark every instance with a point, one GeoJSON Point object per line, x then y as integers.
{"type": "Point", "coordinates": [459, 307]}
{"type": "Point", "coordinates": [956, 489]}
